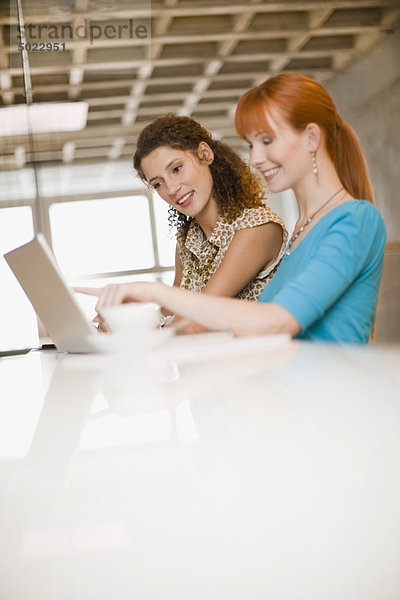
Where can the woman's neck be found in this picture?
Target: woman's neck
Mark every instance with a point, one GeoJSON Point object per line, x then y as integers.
{"type": "Point", "coordinates": [207, 218]}
{"type": "Point", "coordinates": [312, 197]}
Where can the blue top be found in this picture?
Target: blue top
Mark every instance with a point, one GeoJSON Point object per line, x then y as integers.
{"type": "Point", "coordinates": [330, 280]}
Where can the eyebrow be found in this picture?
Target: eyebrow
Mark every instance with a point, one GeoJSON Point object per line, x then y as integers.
{"type": "Point", "coordinates": [262, 133]}
{"type": "Point", "coordinates": [166, 167]}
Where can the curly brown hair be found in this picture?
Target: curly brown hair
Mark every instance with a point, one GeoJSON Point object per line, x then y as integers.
{"type": "Point", "coordinates": [235, 186]}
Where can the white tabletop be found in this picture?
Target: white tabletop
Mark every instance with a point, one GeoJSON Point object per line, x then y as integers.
{"type": "Point", "coordinates": [211, 469]}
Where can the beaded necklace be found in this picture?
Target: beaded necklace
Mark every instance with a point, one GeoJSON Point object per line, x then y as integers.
{"type": "Point", "coordinates": [308, 221]}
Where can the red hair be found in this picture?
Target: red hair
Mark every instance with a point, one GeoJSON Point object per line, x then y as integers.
{"type": "Point", "coordinates": [301, 100]}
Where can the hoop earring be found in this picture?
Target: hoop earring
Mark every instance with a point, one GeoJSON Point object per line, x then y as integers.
{"type": "Point", "coordinates": [314, 165]}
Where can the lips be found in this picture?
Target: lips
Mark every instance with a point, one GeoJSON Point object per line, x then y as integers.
{"type": "Point", "coordinates": [270, 173]}
{"type": "Point", "coordinates": [185, 200]}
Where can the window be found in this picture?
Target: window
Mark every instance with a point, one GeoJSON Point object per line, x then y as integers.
{"type": "Point", "coordinates": [109, 237]}
{"type": "Point", "coordinates": [18, 326]}
{"type": "Point", "coordinates": [166, 238]}
{"type": "Point", "coordinates": [102, 236]}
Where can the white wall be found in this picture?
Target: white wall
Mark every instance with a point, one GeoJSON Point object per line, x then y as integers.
{"type": "Point", "coordinates": [368, 96]}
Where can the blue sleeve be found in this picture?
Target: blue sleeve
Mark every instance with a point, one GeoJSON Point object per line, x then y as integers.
{"type": "Point", "coordinates": [350, 248]}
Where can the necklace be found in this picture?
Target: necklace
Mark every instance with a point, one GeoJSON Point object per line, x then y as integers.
{"type": "Point", "coordinates": [308, 221]}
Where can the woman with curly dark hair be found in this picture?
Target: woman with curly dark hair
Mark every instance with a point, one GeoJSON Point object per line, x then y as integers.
{"type": "Point", "coordinates": [229, 242]}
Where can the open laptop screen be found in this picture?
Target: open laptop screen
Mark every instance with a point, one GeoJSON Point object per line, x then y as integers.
{"type": "Point", "coordinates": [36, 269]}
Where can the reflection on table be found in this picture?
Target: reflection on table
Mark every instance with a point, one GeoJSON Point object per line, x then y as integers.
{"type": "Point", "coordinates": [211, 469]}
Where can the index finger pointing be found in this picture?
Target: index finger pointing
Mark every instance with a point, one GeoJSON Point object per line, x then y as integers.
{"type": "Point", "coordinates": [89, 291]}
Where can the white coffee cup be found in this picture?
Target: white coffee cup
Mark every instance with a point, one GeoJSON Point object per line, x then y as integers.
{"type": "Point", "coordinates": [133, 318]}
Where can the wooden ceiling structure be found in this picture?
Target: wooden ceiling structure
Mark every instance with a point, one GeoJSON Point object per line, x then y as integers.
{"type": "Point", "coordinates": [132, 61]}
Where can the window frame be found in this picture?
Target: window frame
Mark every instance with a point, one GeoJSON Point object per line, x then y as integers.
{"type": "Point", "coordinates": [41, 224]}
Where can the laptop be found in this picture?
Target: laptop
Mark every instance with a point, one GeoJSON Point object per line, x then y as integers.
{"type": "Point", "coordinates": [36, 269]}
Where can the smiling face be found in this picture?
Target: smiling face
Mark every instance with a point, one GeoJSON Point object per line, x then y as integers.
{"type": "Point", "coordinates": [281, 154]}
{"type": "Point", "coordinates": [181, 178]}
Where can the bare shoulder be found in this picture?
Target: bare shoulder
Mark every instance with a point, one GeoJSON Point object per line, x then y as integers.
{"type": "Point", "coordinates": [265, 232]}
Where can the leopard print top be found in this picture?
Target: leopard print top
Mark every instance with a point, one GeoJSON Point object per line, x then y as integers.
{"type": "Point", "coordinates": [201, 257]}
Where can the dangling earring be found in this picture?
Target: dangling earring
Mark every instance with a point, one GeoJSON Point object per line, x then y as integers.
{"type": "Point", "coordinates": [314, 165]}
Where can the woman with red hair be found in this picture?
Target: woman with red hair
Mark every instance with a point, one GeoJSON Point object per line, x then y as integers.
{"type": "Point", "coordinates": [326, 286]}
